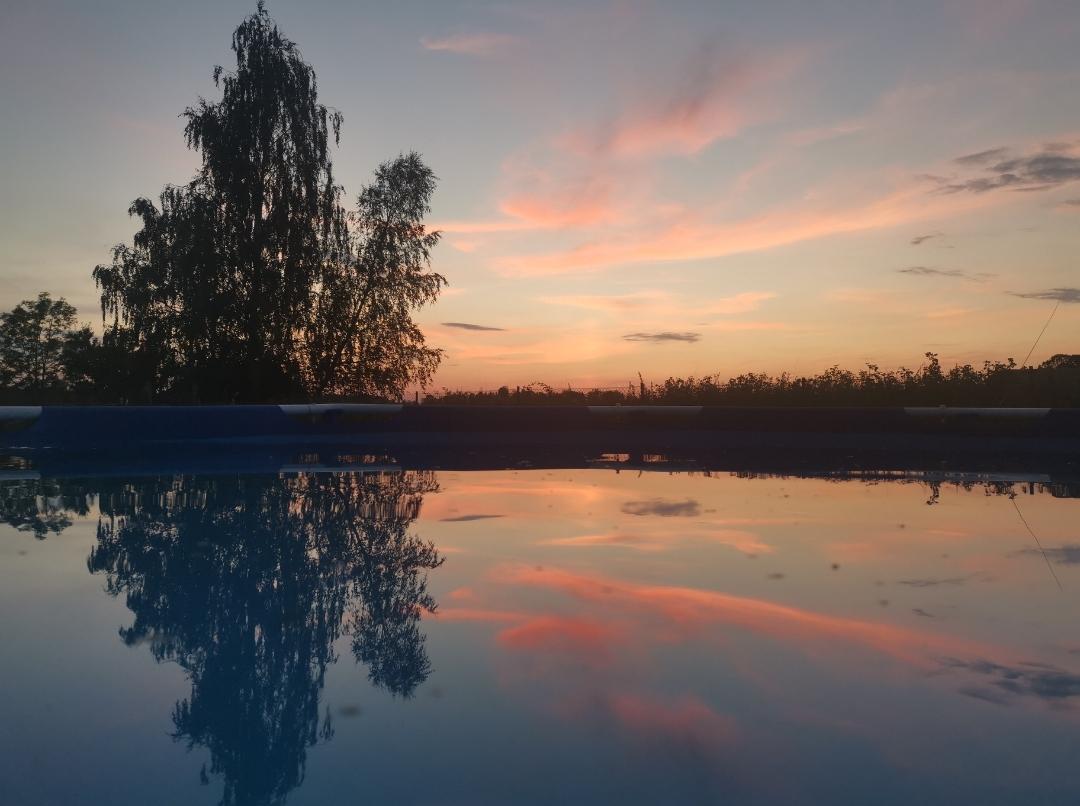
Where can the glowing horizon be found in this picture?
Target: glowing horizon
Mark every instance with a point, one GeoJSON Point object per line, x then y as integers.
{"type": "Point", "coordinates": [675, 189]}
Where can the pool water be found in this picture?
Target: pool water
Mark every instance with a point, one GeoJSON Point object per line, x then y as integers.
{"type": "Point", "coordinates": [538, 636]}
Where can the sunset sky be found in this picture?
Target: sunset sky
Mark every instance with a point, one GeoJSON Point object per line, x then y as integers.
{"type": "Point", "coordinates": [673, 187]}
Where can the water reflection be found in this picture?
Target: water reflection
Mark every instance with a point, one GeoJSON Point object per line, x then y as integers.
{"type": "Point", "coordinates": [693, 631]}
{"type": "Point", "coordinates": [247, 583]}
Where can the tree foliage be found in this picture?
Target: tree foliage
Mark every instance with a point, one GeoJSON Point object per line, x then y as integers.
{"type": "Point", "coordinates": [248, 583]}
{"type": "Point", "coordinates": [362, 338]}
{"type": "Point", "coordinates": [42, 352]}
{"type": "Point", "coordinates": [248, 283]}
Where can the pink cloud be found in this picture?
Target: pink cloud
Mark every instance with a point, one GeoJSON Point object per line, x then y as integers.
{"type": "Point", "coordinates": [482, 226]}
{"type": "Point", "coordinates": [714, 96]}
{"type": "Point", "coordinates": [689, 609]}
{"type": "Point", "coordinates": [561, 204]}
{"type": "Point", "coordinates": [662, 303]}
{"type": "Point", "coordinates": [478, 614]}
{"type": "Point", "coordinates": [685, 721]}
{"type": "Point", "coordinates": [662, 540]}
{"type": "Point", "coordinates": [588, 641]}
{"type": "Point", "coordinates": [471, 44]}
{"type": "Point", "coordinates": [695, 239]}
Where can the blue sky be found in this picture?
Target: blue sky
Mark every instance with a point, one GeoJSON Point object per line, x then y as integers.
{"type": "Point", "coordinates": [670, 187]}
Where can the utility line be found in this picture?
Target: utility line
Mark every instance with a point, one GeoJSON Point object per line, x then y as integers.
{"type": "Point", "coordinates": [1039, 337]}
{"type": "Point", "coordinates": [1037, 543]}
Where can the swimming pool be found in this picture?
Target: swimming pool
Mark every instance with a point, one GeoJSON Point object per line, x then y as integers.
{"type": "Point", "coordinates": [350, 627]}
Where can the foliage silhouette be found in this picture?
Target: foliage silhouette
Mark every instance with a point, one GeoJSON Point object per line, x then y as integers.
{"type": "Point", "coordinates": [42, 352]}
{"type": "Point", "coordinates": [362, 339]}
{"type": "Point", "coordinates": [247, 584]}
{"type": "Point", "coordinates": [1054, 383]}
{"type": "Point", "coordinates": [248, 283]}
{"type": "Point", "coordinates": [43, 507]}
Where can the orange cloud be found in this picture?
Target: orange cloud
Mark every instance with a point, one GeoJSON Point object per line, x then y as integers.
{"type": "Point", "coordinates": [663, 303]}
{"type": "Point", "coordinates": [746, 542]}
{"type": "Point", "coordinates": [588, 641]}
{"type": "Point", "coordinates": [474, 44]}
{"type": "Point", "coordinates": [692, 608]}
{"type": "Point", "coordinates": [694, 239]}
{"type": "Point", "coordinates": [531, 347]}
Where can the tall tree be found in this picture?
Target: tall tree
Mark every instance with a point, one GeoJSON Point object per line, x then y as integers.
{"type": "Point", "coordinates": [32, 340]}
{"type": "Point", "coordinates": [224, 289]}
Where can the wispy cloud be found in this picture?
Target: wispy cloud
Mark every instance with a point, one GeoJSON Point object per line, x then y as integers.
{"type": "Point", "coordinates": [585, 198]}
{"type": "Point", "coordinates": [472, 44]}
{"type": "Point", "coordinates": [1043, 681]}
{"type": "Point", "coordinates": [714, 95]}
{"type": "Point", "coordinates": [524, 346]}
{"type": "Point", "coordinates": [663, 508]}
{"type": "Point", "coordinates": [692, 238]}
{"type": "Point", "coordinates": [1058, 294]}
{"type": "Point", "coordinates": [982, 157]}
{"type": "Point", "coordinates": [618, 302]}
{"type": "Point", "coordinates": [471, 326]}
{"type": "Point", "coordinates": [662, 303]}
{"type": "Point", "coordinates": [1054, 165]}
{"type": "Point", "coordinates": [933, 582]}
{"type": "Point", "coordinates": [663, 337]}
{"type": "Point", "coordinates": [918, 240]}
{"type": "Point", "coordinates": [930, 271]}
{"type": "Point", "coordinates": [1068, 554]}
{"type": "Point", "coordinates": [691, 609]}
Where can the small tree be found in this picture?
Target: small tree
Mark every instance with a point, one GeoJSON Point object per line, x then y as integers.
{"type": "Point", "coordinates": [33, 337]}
{"type": "Point", "coordinates": [362, 339]}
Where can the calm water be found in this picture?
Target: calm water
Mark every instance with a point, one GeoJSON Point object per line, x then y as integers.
{"type": "Point", "coordinates": [584, 636]}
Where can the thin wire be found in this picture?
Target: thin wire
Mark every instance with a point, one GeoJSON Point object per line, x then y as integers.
{"type": "Point", "coordinates": [1037, 338]}
{"type": "Point", "coordinates": [1037, 543]}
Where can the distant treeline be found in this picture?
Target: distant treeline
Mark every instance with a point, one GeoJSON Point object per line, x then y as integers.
{"type": "Point", "coordinates": [46, 357]}
{"type": "Point", "coordinates": [1055, 382]}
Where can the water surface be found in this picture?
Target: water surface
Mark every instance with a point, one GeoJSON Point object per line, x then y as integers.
{"type": "Point", "coordinates": [538, 636]}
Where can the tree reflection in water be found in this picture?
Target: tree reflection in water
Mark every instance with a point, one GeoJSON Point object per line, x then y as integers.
{"type": "Point", "coordinates": [247, 583]}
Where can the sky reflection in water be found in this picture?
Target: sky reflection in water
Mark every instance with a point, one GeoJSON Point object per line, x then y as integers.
{"type": "Point", "coordinates": [537, 636]}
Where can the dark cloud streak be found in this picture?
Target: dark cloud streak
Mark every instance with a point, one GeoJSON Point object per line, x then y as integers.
{"type": "Point", "coordinates": [1052, 167]}
{"type": "Point", "coordinates": [929, 271]}
{"type": "Point", "coordinates": [1069, 554]}
{"type": "Point", "coordinates": [470, 326]}
{"type": "Point", "coordinates": [664, 336]}
{"type": "Point", "coordinates": [982, 157]}
{"type": "Point", "coordinates": [930, 583]}
{"type": "Point", "coordinates": [663, 508]}
{"type": "Point", "coordinates": [1070, 295]}
{"type": "Point", "coordinates": [1047, 683]}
